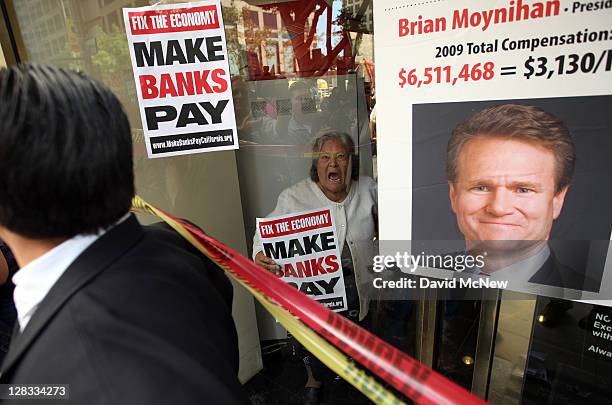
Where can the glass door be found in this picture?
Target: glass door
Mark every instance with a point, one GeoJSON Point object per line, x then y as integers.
{"type": "Point", "coordinates": [523, 349]}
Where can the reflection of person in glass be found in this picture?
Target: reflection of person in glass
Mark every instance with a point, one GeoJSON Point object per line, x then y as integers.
{"type": "Point", "coordinates": [304, 121]}
{"type": "Point", "coordinates": [509, 168]}
{"type": "Point", "coordinates": [251, 127]}
{"type": "Point", "coordinates": [334, 183]}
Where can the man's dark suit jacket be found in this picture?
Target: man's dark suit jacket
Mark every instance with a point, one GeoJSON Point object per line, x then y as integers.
{"type": "Point", "coordinates": [556, 274]}
{"type": "Point", "coordinates": [137, 318]}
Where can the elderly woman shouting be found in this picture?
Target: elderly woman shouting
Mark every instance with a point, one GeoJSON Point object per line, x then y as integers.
{"type": "Point", "coordinates": [334, 182]}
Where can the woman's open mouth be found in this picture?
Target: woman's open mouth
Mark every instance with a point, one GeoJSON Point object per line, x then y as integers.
{"type": "Point", "coordinates": [334, 178]}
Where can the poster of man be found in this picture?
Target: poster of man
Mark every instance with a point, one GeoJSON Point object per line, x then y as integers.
{"type": "Point", "coordinates": [523, 180]}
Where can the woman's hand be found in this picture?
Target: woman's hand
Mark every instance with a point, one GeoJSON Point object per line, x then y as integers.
{"type": "Point", "coordinates": [267, 263]}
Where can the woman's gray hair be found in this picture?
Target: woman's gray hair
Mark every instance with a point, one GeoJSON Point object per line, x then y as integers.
{"type": "Point", "coordinates": [346, 140]}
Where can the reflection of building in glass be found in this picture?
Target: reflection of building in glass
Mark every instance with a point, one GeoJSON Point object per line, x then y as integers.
{"type": "Point", "coordinates": [104, 14]}
{"type": "Point", "coordinates": [256, 36]}
{"type": "Point", "coordinates": [65, 32]}
{"type": "Point", "coordinates": [285, 39]}
{"type": "Point", "coordinates": [264, 41]}
{"type": "Point", "coordinates": [359, 15]}
{"type": "Point", "coordinates": [104, 40]}
{"type": "Point", "coordinates": [48, 29]}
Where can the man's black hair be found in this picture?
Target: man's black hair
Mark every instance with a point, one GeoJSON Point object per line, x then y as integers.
{"type": "Point", "coordinates": [65, 153]}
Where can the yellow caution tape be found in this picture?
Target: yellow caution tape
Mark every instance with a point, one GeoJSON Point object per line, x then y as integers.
{"type": "Point", "coordinates": [324, 351]}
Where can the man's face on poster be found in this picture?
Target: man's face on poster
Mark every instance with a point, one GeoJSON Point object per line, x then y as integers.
{"type": "Point", "coordinates": [505, 190]}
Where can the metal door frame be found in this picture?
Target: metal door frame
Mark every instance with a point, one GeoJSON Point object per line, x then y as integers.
{"type": "Point", "coordinates": [11, 40]}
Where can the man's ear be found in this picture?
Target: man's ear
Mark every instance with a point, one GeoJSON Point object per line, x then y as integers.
{"type": "Point", "coordinates": [557, 202]}
{"type": "Point", "coordinates": [3, 232]}
{"type": "Point", "coordinates": [451, 195]}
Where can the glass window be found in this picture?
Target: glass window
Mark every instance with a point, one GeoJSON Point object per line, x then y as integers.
{"type": "Point", "coordinates": [57, 22]}
{"type": "Point", "coordinates": [112, 20]}
{"type": "Point", "coordinates": [304, 78]}
{"type": "Point", "coordinates": [73, 36]}
{"type": "Point", "coordinates": [252, 17]}
{"type": "Point", "coordinates": [270, 20]}
{"type": "Point", "coordinates": [300, 70]}
{"type": "Point", "coordinates": [569, 357]}
{"type": "Point", "coordinates": [297, 73]}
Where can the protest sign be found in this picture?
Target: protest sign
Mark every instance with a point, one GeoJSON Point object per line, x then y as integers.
{"type": "Point", "coordinates": [179, 58]}
{"type": "Point", "coordinates": [305, 245]}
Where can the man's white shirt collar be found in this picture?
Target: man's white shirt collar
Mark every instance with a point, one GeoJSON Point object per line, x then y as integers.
{"type": "Point", "coordinates": [33, 281]}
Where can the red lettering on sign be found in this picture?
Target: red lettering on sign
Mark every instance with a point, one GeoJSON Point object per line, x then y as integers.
{"type": "Point", "coordinates": [332, 262]}
{"type": "Point", "coordinates": [182, 84]}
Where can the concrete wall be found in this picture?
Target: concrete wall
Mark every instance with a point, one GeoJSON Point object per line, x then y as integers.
{"type": "Point", "coordinates": [204, 188]}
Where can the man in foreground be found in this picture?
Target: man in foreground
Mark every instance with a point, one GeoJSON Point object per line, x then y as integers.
{"type": "Point", "coordinates": [509, 168]}
{"type": "Point", "coordinates": [120, 313]}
